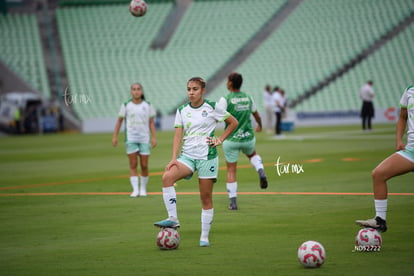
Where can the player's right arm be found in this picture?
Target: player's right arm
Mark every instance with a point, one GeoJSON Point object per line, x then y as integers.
{"type": "Point", "coordinates": [116, 131]}
{"type": "Point", "coordinates": [401, 125]}
{"type": "Point", "coordinates": [178, 135]}
{"type": "Point", "coordinates": [258, 119]}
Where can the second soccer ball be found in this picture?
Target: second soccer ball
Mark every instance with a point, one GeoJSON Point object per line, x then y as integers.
{"type": "Point", "coordinates": [311, 254]}
{"type": "Point", "coordinates": [138, 8]}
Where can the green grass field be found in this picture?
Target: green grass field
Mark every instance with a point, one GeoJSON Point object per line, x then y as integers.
{"type": "Point", "coordinates": [65, 208]}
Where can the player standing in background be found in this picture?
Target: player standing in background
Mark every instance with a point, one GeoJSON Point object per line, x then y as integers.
{"type": "Point", "coordinates": [269, 108]}
{"type": "Point", "coordinates": [398, 163]}
{"type": "Point", "coordinates": [139, 133]}
{"type": "Point", "coordinates": [195, 123]}
{"type": "Point", "coordinates": [241, 106]}
{"type": "Point", "coordinates": [279, 101]}
{"type": "Point", "coordinates": [367, 94]}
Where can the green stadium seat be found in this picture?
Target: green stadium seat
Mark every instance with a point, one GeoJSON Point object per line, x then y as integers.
{"type": "Point", "coordinates": [21, 50]}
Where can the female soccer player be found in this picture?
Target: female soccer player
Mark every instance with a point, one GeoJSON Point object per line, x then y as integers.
{"type": "Point", "coordinates": [241, 106]}
{"type": "Point", "coordinates": [139, 133]}
{"type": "Point", "coordinates": [399, 163]}
{"type": "Point", "coordinates": [195, 123]}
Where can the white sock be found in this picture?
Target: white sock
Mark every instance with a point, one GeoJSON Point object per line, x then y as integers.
{"type": "Point", "coordinates": [206, 221]}
{"type": "Point", "coordinates": [170, 201]}
{"type": "Point", "coordinates": [134, 183]}
{"type": "Point", "coordinates": [232, 189]}
{"type": "Point", "coordinates": [143, 186]}
{"type": "Point", "coordinates": [381, 208]}
{"type": "Point", "coordinates": [256, 162]}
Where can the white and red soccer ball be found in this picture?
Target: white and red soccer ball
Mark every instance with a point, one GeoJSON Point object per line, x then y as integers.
{"type": "Point", "coordinates": [311, 254]}
{"type": "Point", "coordinates": [138, 8]}
{"type": "Point", "coordinates": [368, 239]}
{"type": "Point", "coordinates": [168, 239]}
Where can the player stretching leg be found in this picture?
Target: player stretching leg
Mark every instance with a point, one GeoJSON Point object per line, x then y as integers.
{"type": "Point", "coordinates": [398, 163]}
{"type": "Point", "coordinates": [196, 121]}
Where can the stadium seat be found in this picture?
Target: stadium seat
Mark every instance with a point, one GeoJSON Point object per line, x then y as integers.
{"type": "Point", "coordinates": [21, 50]}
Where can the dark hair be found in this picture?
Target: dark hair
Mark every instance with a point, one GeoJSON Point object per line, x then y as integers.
{"type": "Point", "coordinates": [200, 80]}
{"type": "Point", "coordinates": [236, 80]}
{"type": "Point", "coordinates": [142, 88]}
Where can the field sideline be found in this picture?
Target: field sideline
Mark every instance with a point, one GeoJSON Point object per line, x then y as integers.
{"type": "Point", "coordinates": [65, 208]}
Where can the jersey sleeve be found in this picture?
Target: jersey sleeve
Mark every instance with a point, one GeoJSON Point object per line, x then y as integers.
{"type": "Point", "coordinates": [122, 111]}
{"type": "Point", "coordinates": [404, 98]}
{"type": "Point", "coordinates": [178, 120]}
{"type": "Point", "coordinates": [253, 107]}
{"type": "Point", "coordinates": [222, 103]}
{"type": "Point", "coordinates": [152, 112]}
{"type": "Point", "coordinates": [220, 113]}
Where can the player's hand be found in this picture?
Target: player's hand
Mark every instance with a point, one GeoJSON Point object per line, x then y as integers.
{"type": "Point", "coordinates": [213, 141]}
{"type": "Point", "coordinates": [114, 141]}
{"type": "Point", "coordinates": [153, 142]}
{"type": "Point", "coordinates": [400, 146]}
{"type": "Point", "coordinates": [171, 164]}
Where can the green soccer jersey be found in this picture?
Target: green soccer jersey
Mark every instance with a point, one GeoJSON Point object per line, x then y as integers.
{"type": "Point", "coordinates": [241, 106]}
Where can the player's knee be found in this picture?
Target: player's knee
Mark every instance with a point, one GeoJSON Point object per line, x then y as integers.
{"type": "Point", "coordinates": [144, 167]}
{"type": "Point", "coordinates": [168, 179]}
{"type": "Point", "coordinates": [378, 174]}
{"type": "Point", "coordinates": [133, 164]}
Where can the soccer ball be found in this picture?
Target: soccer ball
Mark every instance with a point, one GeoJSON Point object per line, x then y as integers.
{"type": "Point", "coordinates": [311, 254]}
{"type": "Point", "coordinates": [368, 239]}
{"type": "Point", "coordinates": [138, 7]}
{"type": "Point", "coordinates": [168, 239]}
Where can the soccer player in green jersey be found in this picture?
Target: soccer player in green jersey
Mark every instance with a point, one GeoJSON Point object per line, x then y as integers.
{"type": "Point", "coordinates": [195, 123]}
{"type": "Point", "coordinates": [241, 106]}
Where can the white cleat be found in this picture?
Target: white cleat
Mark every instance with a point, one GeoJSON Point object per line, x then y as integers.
{"type": "Point", "coordinates": [134, 194]}
{"type": "Point", "coordinates": [376, 223]}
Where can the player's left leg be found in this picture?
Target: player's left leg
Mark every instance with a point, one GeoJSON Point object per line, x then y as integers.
{"type": "Point", "coordinates": [144, 174]}
{"type": "Point", "coordinates": [256, 161]}
{"type": "Point", "coordinates": [207, 176]}
{"type": "Point", "coordinates": [144, 153]}
{"type": "Point", "coordinates": [207, 212]}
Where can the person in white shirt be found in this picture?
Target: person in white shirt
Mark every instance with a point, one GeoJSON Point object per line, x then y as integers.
{"type": "Point", "coordinates": [367, 94]}
{"type": "Point", "coordinates": [139, 136]}
{"type": "Point", "coordinates": [195, 124]}
{"type": "Point", "coordinates": [279, 106]}
{"type": "Point", "coordinates": [398, 163]}
{"type": "Point", "coordinates": [269, 116]}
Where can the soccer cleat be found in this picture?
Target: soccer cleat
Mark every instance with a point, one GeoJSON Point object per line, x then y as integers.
{"type": "Point", "coordinates": [134, 194]}
{"type": "Point", "coordinates": [170, 222]}
{"type": "Point", "coordinates": [204, 244]}
{"type": "Point", "coordinates": [263, 179]}
{"type": "Point", "coordinates": [263, 183]}
{"type": "Point", "coordinates": [376, 223]}
{"type": "Point", "coordinates": [233, 203]}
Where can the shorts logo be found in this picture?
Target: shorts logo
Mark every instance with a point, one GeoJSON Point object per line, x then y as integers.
{"type": "Point", "coordinates": [212, 169]}
{"type": "Point", "coordinates": [173, 201]}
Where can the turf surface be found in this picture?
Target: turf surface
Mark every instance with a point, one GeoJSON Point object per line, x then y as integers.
{"type": "Point", "coordinates": [65, 208]}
